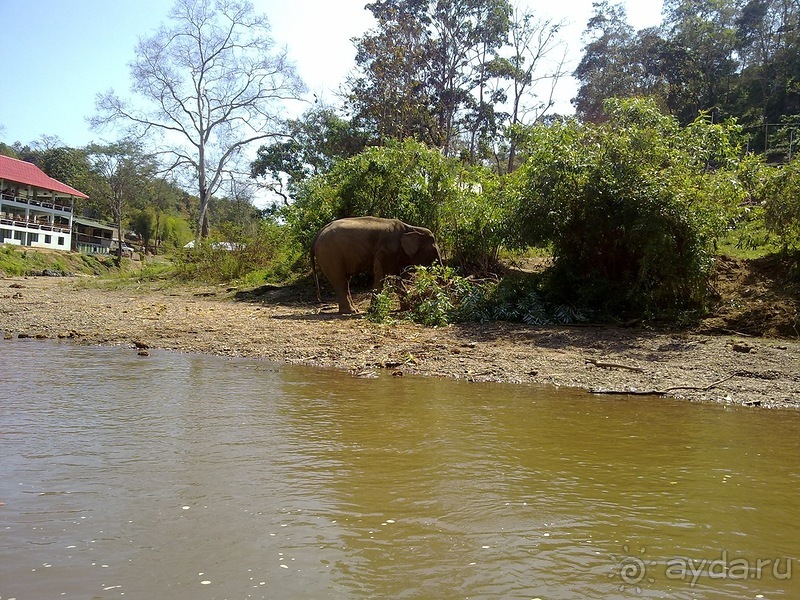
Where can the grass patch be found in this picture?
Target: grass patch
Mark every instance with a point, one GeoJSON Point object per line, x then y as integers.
{"type": "Point", "coordinates": [134, 273]}
{"type": "Point", "coordinates": [22, 261]}
{"type": "Point", "coordinates": [749, 238]}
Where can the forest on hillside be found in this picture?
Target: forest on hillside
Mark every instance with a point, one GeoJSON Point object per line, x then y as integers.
{"type": "Point", "coordinates": [683, 136]}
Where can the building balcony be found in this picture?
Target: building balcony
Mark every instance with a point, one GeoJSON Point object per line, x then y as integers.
{"type": "Point", "coordinates": [35, 202]}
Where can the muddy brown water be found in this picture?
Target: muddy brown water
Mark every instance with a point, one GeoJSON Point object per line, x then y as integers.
{"type": "Point", "coordinates": [183, 476]}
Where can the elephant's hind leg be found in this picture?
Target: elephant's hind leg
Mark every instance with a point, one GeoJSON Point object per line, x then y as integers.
{"type": "Point", "coordinates": [346, 305]}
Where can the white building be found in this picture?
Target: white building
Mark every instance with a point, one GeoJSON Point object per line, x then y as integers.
{"type": "Point", "coordinates": [35, 209]}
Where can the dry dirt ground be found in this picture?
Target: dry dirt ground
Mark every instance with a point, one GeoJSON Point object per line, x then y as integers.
{"type": "Point", "coordinates": [711, 363]}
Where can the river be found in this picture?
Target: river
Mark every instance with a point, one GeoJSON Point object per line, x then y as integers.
{"type": "Point", "coordinates": [184, 476]}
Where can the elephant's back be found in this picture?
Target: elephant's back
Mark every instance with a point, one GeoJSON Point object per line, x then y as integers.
{"type": "Point", "coordinates": [361, 227]}
{"type": "Point", "coordinates": [362, 224]}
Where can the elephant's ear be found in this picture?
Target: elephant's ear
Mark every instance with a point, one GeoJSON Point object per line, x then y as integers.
{"type": "Point", "coordinates": [410, 242]}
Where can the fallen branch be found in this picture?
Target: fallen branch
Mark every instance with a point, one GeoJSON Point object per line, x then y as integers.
{"type": "Point", "coordinates": [663, 392]}
{"type": "Point", "coordinates": [629, 392]}
{"type": "Point", "coordinates": [610, 365]}
{"type": "Point", "coordinates": [702, 389]}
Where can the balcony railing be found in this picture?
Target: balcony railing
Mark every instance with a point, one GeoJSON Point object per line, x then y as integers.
{"type": "Point", "coordinates": [36, 202]}
{"type": "Point", "coordinates": [22, 222]}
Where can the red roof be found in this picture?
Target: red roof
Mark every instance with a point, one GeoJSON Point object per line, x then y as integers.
{"type": "Point", "coordinates": [27, 173]}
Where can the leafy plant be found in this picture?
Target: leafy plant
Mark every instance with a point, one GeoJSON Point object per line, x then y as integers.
{"type": "Point", "coordinates": [266, 250]}
{"type": "Point", "coordinates": [782, 206]}
{"type": "Point", "coordinates": [632, 207]}
{"type": "Point", "coordinates": [381, 305]}
{"type": "Point", "coordinates": [437, 296]}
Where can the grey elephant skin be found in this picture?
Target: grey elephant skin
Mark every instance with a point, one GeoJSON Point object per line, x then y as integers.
{"type": "Point", "coordinates": [369, 244]}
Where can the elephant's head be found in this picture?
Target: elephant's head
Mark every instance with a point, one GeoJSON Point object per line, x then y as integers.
{"type": "Point", "coordinates": [420, 247]}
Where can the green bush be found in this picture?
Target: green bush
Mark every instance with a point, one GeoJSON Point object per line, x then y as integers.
{"type": "Point", "coordinates": [632, 207]}
{"type": "Point", "coordinates": [406, 181]}
{"type": "Point", "coordinates": [413, 183]}
{"type": "Point", "coordinates": [473, 225]}
{"type": "Point", "coordinates": [381, 305]}
{"type": "Point", "coordinates": [782, 204]}
{"type": "Point", "coordinates": [267, 250]}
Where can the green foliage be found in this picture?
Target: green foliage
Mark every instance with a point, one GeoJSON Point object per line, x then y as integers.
{"type": "Point", "coordinates": [434, 70]}
{"type": "Point", "coordinates": [782, 204]}
{"type": "Point", "coordinates": [433, 295]}
{"type": "Point", "coordinates": [632, 207]}
{"type": "Point", "coordinates": [437, 296]}
{"type": "Point", "coordinates": [314, 143]}
{"type": "Point", "coordinates": [159, 231]}
{"type": "Point", "coordinates": [265, 251]}
{"type": "Point", "coordinates": [408, 181]}
{"type": "Point", "coordinates": [722, 56]}
{"type": "Point", "coordinates": [381, 305]}
{"type": "Point", "coordinates": [144, 222]}
{"type": "Point", "coordinates": [473, 226]}
{"type": "Point", "coordinates": [174, 232]}
{"type": "Point", "coordinates": [68, 165]}
{"type": "Point", "coordinates": [405, 181]}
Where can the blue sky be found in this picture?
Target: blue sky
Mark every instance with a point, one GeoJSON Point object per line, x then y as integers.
{"type": "Point", "coordinates": [56, 55]}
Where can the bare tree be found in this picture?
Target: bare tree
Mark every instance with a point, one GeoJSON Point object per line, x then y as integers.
{"type": "Point", "coordinates": [213, 83]}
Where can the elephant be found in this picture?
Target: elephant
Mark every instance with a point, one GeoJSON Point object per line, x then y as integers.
{"type": "Point", "coordinates": [354, 245]}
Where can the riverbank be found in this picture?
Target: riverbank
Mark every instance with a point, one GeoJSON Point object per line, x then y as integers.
{"type": "Point", "coordinates": [732, 369]}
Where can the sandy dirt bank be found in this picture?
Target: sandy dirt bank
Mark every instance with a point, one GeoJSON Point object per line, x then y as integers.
{"type": "Point", "coordinates": [753, 371]}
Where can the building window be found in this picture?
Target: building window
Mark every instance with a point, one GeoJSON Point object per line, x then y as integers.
{"type": "Point", "coordinates": [48, 239]}
{"type": "Point", "coordinates": [61, 240]}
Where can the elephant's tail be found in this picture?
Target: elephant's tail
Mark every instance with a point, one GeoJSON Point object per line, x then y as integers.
{"type": "Point", "coordinates": [314, 270]}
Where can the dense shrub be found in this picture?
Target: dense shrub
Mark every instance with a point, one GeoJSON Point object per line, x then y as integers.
{"type": "Point", "coordinates": [415, 184]}
{"type": "Point", "coordinates": [406, 181]}
{"type": "Point", "coordinates": [782, 204]}
{"type": "Point", "coordinates": [265, 250]}
{"type": "Point", "coordinates": [474, 223]}
{"type": "Point", "coordinates": [631, 207]}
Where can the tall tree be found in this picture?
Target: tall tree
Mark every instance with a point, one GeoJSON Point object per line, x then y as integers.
{"type": "Point", "coordinates": [390, 94]}
{"type": "Point", "coordinates": [121, 171]}
{"type": "Point", "coordinates": [768, 46]}
{"type": "Point", "coordinates": [467, 35]}
{"type": "Point", "coordinates": [426, 69]}
{"type": "Point", "coordinates": [538, 57]}
{"type": "Point", "coordinates": [701, 63]}
{"type": "Point", "coordinates": [313, 144]}
{"type": "Point", "coordinates": [605, 71]}
{"type": "Point", "coordinates": [212, 80]}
